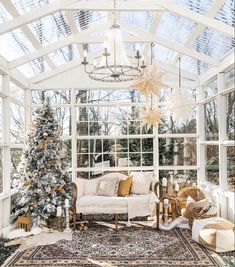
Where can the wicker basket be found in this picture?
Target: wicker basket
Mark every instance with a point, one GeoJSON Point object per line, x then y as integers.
{"type": "Point", "coordinates": [197, 214]}
{"type": "Point", "coordinates": [192, 191]}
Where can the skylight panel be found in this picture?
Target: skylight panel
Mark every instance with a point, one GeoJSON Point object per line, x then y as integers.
{"type": "Point", "coordinates": [15, 44]}
{"type": "Point", "coordinates": [66, 54]}
{"type": "Point", "coordinates": [84, 19]}
{"type": "Point", "coordinates": [163, 54]}
{"type": "Point", "coordinates": [140, 19]}
{"type": "Point", "coordinates": [174, 28]}
{"type": "Point", "coordinates": [193, 65]}
{"type": "Point", "coordinates": [51, 28]}
{"type": "Point", "coordinates": [198, 6]}
{"type": "Point", "coordinates": [227, 13]}
{"type": "Point", "coordinates": [4, 15]}
{"type": "Point", "coordinates": [213, 43]}
{"type": "Point", "coordinates": [24, 6]}
{"type": "Point", "coordinates": [34, 67]}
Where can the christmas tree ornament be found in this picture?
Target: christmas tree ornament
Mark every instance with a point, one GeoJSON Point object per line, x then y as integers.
{"type": "Point", "coordinates": [179, 105]}
{"type": "Point", "coordinates": [150, 116]}
{"type": "Point", "coordinates": [151, 81]}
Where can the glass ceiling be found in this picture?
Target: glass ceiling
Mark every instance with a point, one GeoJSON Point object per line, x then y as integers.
{"type": "Point", "coordinates": [173, 28]}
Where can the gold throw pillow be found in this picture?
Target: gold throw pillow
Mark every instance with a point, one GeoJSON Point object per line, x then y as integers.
{"type": "Point", "coordinates": [124, 187]}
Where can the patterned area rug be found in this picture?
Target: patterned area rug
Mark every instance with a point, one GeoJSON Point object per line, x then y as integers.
{"type": "Point", "coordinates": [102, 246]}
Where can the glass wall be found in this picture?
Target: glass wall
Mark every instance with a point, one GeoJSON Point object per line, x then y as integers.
{"type": "Point", "coordinates": [102, 132]}
{"type": "Point", "coordinates": [218, 113]}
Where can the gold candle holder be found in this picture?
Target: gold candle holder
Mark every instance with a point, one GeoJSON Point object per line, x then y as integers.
{"type": "Point", "coordinates": [164, 191]}
{"type": "Point", "coordinates": [165, 214]}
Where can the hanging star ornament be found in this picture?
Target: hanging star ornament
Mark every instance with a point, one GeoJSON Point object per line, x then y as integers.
{"type": "Point", "coordinates": [150, 116]}
{"type": "Point", "coordinates": [150, 82]}
{"type": "Point", "coordinates": [179, 105]}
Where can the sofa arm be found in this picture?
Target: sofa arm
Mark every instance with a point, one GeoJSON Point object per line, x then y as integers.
{"type": "Point", "coordinates": [155, 187]}
{"type": "Point", "coordinates": [74, 194]}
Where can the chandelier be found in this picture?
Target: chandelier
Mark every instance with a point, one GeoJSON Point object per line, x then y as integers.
{"type": "Point", "coordinates": [115, 65]}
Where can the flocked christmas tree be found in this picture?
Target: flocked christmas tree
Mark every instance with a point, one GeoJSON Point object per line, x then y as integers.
{"type": "Point", "coordinates": [41, 179]}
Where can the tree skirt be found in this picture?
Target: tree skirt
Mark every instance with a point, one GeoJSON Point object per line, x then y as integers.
{"type": "Point", "coordinates": [138, 246]}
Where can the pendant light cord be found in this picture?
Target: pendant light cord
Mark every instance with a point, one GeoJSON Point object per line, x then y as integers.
{"type": "Point", "coordinates": [152, 46]}
{"type": "Point", "coordinates": [179, 73]}
{"type": "Point", "coordinates": [114, 12]}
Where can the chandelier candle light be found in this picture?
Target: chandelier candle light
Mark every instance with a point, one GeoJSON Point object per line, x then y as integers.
{"type": "Point", "coordinates": [115, 65]}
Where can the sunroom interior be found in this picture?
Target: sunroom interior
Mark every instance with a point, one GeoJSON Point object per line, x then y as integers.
{"type": "Point", "coordinates": [43, 47]}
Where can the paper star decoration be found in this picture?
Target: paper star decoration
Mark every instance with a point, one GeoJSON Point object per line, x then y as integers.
{"type": "Point", "coordinates": [150, 82]}
{"type": "Point", "coordinates": [179, 105]}
{"type": "Point", "coordinates": [150, 116]}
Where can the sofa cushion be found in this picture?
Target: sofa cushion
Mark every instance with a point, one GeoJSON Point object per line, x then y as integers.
{"type": "Point", "coordinates": [90, 187]}
{"type": "Point", "coordinates": [124, 187]}
{"type": "Point", "coordinates": [108, 186]}
{"type": "Point", "coordinates": [141, 183]}
{"type": "Point", "coordinates": [102, 201]}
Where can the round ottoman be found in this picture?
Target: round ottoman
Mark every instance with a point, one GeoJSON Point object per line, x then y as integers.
{"type": "Point", "coordinates": [214, 233]}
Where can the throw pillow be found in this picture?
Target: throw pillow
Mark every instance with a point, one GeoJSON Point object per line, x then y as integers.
{"type": "Point", "coordinates": [124, 187]}
{"type": "Point", "coordinates": [108, 187]}
{"type": "Point", "coordinates": [140, 183]}
{"type": "Point", "coordinates": [90, 187]}
{"type": "Point", "coordinates": [192, 204]}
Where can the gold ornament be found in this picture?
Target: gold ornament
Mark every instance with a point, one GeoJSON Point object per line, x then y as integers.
{"type": "Point", "coordinates": [150, 116]}
{"type": "Point", "coordinates": [150, 82]}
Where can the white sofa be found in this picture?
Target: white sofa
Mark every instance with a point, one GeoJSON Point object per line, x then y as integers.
{"type": "Point", "coordinates": [86, 200]}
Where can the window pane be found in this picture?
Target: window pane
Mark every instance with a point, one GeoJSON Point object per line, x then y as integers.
{"type": "Point", "coordinates": [95, 145]}
{"type": "Point", "coordinates": [16, 91]}
{"type": "Point", "coordinates": [147, 159]}
{"type": "Point", "coordinates": [134, 145]}
{"type": "Point", "coordinates": [212, 164]}
{"type": "Point", "coordinates": [229, 78]}
{"type": "Point", "coordinates": [182, 177]}
{"type": "Point", "coordinates": [231, 168]}
{"type": "Point", "coordinates": [67, 151]}
{"type": "Point", "coordinates": [1, 171]}
{"type": "Point", "coordinates": [177, 151]}
{"type": "Point", "coordinates": [230, 112]}
{"type": "Point", "coordinates": [211, 120]}
{"type": "Point", "coordinates": [17, 124]}
{"type": "Point", "coordinates": [170, 126]}
{"type": "Point", "coordinates": [15, 159]}
{"type": "Point", "coordinates": [54, 97]}
{"type": "Point", "coordinates": [63, 117]}
{"type": "Point", "coordinates": [211, 88]}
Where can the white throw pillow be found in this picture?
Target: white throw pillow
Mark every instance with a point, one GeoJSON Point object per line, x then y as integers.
{"type": "Point", "coordinates": [108, 187]}
{"type": "Point", "coordinates": [141, 183]}
{"type": "Point", "coordinates": [90, 187]}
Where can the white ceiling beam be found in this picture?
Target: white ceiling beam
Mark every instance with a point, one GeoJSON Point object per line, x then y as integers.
{"type": "Point", "coordinates": [79, 38]}
{"type": "Point", "coordinates": [150, 5]}
{"type": "Point", "coordinates": [74, 29]}
{"type": "Point", "coordinates": [17, 77]}
{"type": "Point", "coordinates": [138, 36]}
{"type": "Point", "coordinates": [53, 7]}
{"type": "Point", "coordinates": [226, 62]}
{"type": "Point", "coordinates": [173, 46]}
{"type": "Point", "coordinates": [33, 15]}
{"type": "Point", "coordinates": [211, 12]}
{"type": "Point", "coordinates": [28, 33]}
{"type": "Point", "coordinates": [75, 63]}
{"type": "Point", "coordinates": [153, 29]}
